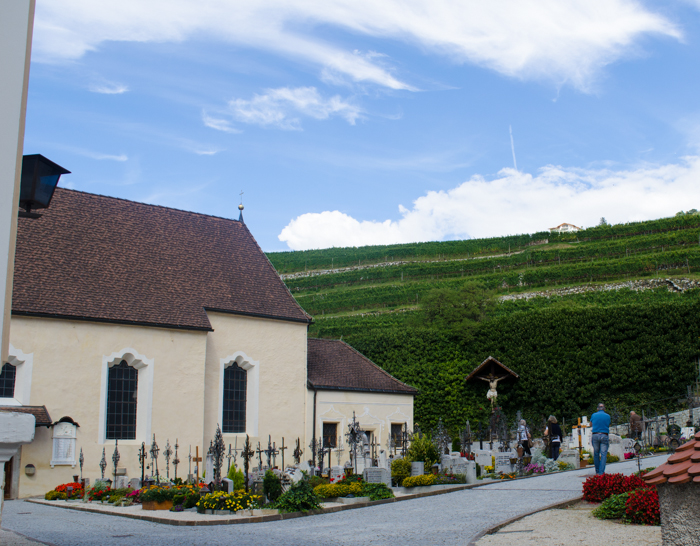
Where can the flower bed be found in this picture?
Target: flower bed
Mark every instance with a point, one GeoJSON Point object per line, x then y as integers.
{"type": "Point", "coordinates": [419, 481]}
{"type": "Point", "coordinates": [600, 487]}
{"type": "Point", "coordinates": [233, 502]}
{"type": "Point", "coordinates": [61, 492]}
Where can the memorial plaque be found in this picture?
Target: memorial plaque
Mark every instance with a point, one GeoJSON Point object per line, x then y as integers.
{"type": "Point", "coordinates": [503, 465]}
{"type": "Point", "coordinates": [417, 468]}
{"type": "Point", "coordinates": [377, 475]}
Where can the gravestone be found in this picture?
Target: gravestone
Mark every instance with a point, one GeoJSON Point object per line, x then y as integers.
{"type": "Point", "coordinates": [471, 471]}
{"type": "Point", "coordinates": [483, 458]}
{"type": "Point", "coordinates": [336, 474]}
{"type": "Point", "coordinates": [377, 475]}
{"type": "Point", "coordinates": [305, 467]}
{"type": "Point", "coordinates": [121, 482]}
{"type": "Point", "coordinates": [615, 446]}
{"type": "Point", "coordinates": [417, 468]}
{"type": "Point", "coordinates": [460, 467]}
{"type": "Point", "coordinates": [382, 460]}
{"type": "Point", "coordinates": [503, 465]}
{"type": "Point", "coordinates": [209, 468]}
{"type": "Point", "coordinates": [135, 483]}
{"type": "Point", "coordinates": [570, 456]}
{"type": "Point", "coordinates": [446, 463]}
{"type": "Point", "coordinates": [227, 485]}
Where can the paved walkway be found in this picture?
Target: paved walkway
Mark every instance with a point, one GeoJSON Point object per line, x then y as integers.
{"type": "Point", "coordinates": [453, 518]}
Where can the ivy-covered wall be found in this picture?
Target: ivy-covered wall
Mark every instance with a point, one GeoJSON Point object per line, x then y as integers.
{"type": "Point", "coordinates": [568, 360]}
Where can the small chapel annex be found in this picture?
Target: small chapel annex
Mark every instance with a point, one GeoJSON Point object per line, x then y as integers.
{"type": "Point", "coordinates": [130, 320]}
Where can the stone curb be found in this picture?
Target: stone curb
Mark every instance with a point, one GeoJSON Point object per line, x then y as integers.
{"type": "Point", "coordinates": [496, 528]}
{"type": "Point", "coordinates": [258, 519]}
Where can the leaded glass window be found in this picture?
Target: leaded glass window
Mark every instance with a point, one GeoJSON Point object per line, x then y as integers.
{"type": "Point", "coordinates": [235, 386]}
{"type": "Point", "coordinates": [122, 391]}
{"type": "Point", "coordinates": [7, 381]}
{"type": "Point", "coordinates": [330, 434]}
{"type": "Point", "coordinates": [397, 433]}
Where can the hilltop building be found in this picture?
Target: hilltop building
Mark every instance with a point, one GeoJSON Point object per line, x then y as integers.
{"type": "Point", "coordinates": [564, 228]}
{"type": "Point", "coordinates": [130, 320]}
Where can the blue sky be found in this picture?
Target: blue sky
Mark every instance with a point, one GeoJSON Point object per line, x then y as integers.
{"type": "Point", "coordinates": [362, 122]}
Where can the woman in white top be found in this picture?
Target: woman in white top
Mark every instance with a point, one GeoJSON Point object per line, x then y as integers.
{"type": "Point", "coordinates": [524, 437]}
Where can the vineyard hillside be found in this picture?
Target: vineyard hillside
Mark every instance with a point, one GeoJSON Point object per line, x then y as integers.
{"type": "Point", "coordinates": [609, 312]}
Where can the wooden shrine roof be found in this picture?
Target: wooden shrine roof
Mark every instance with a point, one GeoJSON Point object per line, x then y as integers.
{"type": "Point", "coordinates": [491, 360]}
{"type": "Point", "coordinates": [681, 467]}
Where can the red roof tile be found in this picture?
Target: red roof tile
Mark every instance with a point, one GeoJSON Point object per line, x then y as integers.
{"type": "Point", "coordinates": [334, 365]}
{"type": "Point", "coordinates": [40, 413]}
{"type": "Point", "coordinates": [680, 467]}
{"type": "Point", "coordinates": [99, 258]}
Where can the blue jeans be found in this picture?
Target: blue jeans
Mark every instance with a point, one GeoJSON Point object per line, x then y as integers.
{"type": "Point", "coordinates": [600, 442]}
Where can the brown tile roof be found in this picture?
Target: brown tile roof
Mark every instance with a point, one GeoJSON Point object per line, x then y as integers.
{"type": "Point", "coordinates": [100, 258]}
{"type": "Point", "coordinates": [39, 412]}
{"type": "Point", "coordinates": [333, 364]}
{"type": "Point", "coordinates": [681, 467]}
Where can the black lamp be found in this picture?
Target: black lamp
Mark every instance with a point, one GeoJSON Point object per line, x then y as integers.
{"type": "Point", "coordinates": [39, 179]}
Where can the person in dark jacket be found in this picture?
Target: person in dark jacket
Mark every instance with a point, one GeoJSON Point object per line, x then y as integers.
{"type": "Point", "coordinates": [555, 437]}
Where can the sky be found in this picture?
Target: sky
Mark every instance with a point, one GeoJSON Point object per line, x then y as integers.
{"type": "Point", "coordinates": [358, 122]}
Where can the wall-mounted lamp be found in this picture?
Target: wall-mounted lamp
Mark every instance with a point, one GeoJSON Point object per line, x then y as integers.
{"type": "Point", "coordinates": [39, 179]}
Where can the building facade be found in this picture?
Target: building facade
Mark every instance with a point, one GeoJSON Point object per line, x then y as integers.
{"type": "Point", "coordinates": [133, 320]}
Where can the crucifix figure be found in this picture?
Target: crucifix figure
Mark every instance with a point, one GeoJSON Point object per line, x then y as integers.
{"type": "Point", "coordinates": [196, 459]}
{"type": "Point", "coordinates": [298, 452]}
{"type": "Point", "coordinates": [492, 380]}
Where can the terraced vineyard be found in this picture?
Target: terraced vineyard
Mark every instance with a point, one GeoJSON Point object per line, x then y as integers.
{"type": "Point", "coordinates": [626, 346]}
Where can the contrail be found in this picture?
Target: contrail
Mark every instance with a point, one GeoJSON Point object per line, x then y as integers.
{"type": "Point", "coordinates": [512, 147]}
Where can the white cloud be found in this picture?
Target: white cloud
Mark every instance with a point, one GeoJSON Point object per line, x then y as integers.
{"type": "Point", "coordinates": [108, 88]}
{"type": "Point", "coordinates": [218, 124]}
{"type": "Point", "coordinates": [281, 107]}
{"type": "Point", "coordinates": [560, 41]}
{"type": "Point", "coordinates": [514, 202]}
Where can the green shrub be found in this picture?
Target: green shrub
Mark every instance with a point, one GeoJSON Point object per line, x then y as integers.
{"type": "Point", "coordinates": [55, 495]}
{"type": "Point", "coordinates": [418, 481]}
{"type": "Point", "coordinates": [400, 470]}
{"type": "Point", "coordinates": [328, 491]}
{"type": "Point", "coordinates": [272, 486]}
{"type": "Point", "coordinates": [376, 491]}
{"type": "Point", "coordinates": [423, 449]}
{"type": "Point", "coordinates": [611, 458]}
{"type": "Point", "coordinates": [300, 497]}
{"type": "Point", "coordinates": [315, 481]}
{"type": "Point", "coordinates": [613, 507]}
{"type": "Point", "coordinates": [238, 478]}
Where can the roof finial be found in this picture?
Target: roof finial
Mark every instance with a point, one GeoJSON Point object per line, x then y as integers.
{"type": "Point", "coordinates": [240, 207]}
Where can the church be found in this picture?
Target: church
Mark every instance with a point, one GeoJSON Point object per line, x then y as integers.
{"type": "Point", "coordinates": [132, 320]}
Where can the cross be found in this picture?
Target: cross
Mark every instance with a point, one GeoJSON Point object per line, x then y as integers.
{"type": "Point", "coordinates": [282, 448]}
{"type": "Point", "coordinates": [579, 428]}
{"type": "Point", "coordinates": [298, 452]}
{"type": "Point", "coordinates": [189, 467]}
{"type": "Point", "coordinates": [247, 454]}
{"type": "Point", "coordinates": [268, 451]}
{"type": "Point", "coordinates": [229, 456]}
{"type": "Point", "coordinates": [241, 194]}
{"type": "Point", "coordinates": [176, 461]}
{"type": "Point", "coordinates": [275, 452]}
{"type": "Point", "coordinates": [197, 459]}
{"type": "Point", "coordinates": [259, 452]}
{"type": "Point", "coordinates": [143, 455]}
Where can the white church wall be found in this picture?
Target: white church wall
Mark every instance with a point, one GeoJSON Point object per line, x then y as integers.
{"type": "Point", "coordinates": [274, 354]}
{"type": "Point", "coordinates": [68, 377]}
{"type": "Point", "coordinates": [375, 412]}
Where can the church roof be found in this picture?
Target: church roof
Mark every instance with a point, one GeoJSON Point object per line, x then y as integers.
{"type": "Point", "coordinates": [334, 365]}
{"type": "Point", "coordinates": [97, 258]}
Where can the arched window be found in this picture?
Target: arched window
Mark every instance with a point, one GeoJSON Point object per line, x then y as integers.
{"type": "Point", "coordinates": [122, 390]}
{"type": "Point", "coordinates": [8, 374]}
{"type": "Point", "coordinates": [235, 386]}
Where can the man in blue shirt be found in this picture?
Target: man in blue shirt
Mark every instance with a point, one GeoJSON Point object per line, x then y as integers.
{"type": "Point", "coordinates": [600, 422]}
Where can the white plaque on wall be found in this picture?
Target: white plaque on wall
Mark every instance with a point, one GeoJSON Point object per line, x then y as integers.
{"type": "Point", "coordinates": [64, 438]}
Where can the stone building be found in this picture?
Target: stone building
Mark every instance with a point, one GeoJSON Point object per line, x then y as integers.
{"type": "Point", "coordinates": [130, 320]}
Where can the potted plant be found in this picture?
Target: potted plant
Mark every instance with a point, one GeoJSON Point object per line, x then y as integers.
{"type": "Point", "coordinates": [157, 498]}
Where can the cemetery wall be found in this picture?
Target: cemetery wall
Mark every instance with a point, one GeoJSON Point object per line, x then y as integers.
{"type": "Point", "coordinates": [275, 352]}
{"type": "Point", "coordinates": [375, 411]}
{"type": "Point", "coordinates": [70, 362]}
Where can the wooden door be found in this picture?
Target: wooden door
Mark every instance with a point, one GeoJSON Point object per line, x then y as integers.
{"type": "Point", "coordinates": [8, 477]}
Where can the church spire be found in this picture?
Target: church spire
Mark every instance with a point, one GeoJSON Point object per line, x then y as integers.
{"type": "Point", "coordinates": [240, 207]}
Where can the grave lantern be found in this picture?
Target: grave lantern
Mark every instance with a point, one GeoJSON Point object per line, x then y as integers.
{"type": "Point", "coordinates": [38, 183]}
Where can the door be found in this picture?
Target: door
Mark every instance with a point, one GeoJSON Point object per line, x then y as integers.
{"type": "Point", "coordinates": [8, 477]}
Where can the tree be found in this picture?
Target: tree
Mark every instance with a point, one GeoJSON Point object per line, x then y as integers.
{"type": "Point", "coordinates": [603, 221]}
{"type": "Point", "coordinates": [457, 311]}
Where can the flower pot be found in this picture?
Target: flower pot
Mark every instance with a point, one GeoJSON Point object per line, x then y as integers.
{"type": "Point", "coordinates": [153, 505]}
{"type": "Point", "coordinates": [584, 463]}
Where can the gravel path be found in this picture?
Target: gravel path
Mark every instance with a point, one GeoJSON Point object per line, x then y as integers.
{"type": "Point", "coordinates": [453, 518]}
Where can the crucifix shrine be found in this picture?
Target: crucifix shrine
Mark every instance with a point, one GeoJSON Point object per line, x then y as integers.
{"type": "Point", "coordinates": [580, 429]}
{"type": "Point", "coordinates": [492, 371]}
